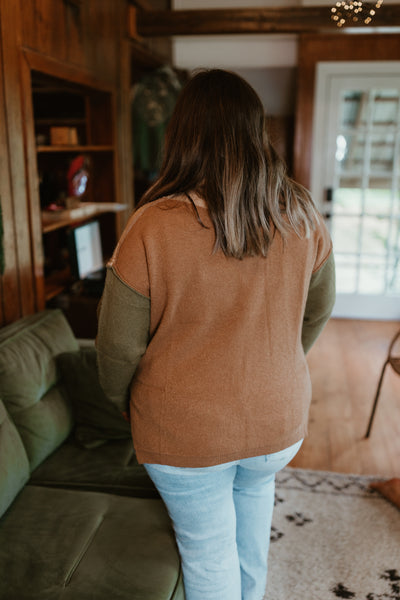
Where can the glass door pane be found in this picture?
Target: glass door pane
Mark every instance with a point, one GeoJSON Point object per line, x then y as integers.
{"type": "Point", "coordinates": [360, 130]}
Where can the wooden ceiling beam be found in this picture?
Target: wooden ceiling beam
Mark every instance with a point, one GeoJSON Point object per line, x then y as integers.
{"type": "Point", "coordinates": [296, 19]}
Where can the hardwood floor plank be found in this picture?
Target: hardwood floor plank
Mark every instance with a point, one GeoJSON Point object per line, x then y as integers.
{"type": "Point", "coordinates": [345, 365]}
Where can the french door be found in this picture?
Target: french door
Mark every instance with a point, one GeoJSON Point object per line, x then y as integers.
{"type": "Point", "coordinates": [356, 182]}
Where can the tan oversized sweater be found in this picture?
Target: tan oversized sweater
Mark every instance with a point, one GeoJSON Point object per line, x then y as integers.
{"type": "Point", "coordinates": [211, 348]}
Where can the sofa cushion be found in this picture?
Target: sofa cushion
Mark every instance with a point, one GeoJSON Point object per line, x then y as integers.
{"type": "Point", "coordinates": [87, 546]}
{"type": "Point", "coordinates": [14, 464]}
{"type": "Point", "coordinates": [111, 467]}
{"type": "Point", "coordinates": [29, 380]}
{"type": "Point", "coordinates": [96, 418]}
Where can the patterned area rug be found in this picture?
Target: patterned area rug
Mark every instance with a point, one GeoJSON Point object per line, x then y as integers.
{"type": "Point", "coordinates": [332, 537]}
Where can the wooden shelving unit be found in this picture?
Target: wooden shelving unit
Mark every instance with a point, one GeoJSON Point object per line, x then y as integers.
{"type": "Point", "coordinates": [55, 283]}
{"type": "Point", "coordinates": [87, 210]}
{"type": "Point", "coordinates": [87, 114]}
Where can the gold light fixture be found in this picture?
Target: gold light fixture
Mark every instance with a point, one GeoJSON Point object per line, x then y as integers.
{"type": "Point", "coordinates": [354, 11]}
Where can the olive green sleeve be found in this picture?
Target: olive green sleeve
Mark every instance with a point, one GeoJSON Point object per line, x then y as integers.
{"type": "Point", "coordinates": [320, 301]}
{"type": "Point", "coordinates": [122, 337]}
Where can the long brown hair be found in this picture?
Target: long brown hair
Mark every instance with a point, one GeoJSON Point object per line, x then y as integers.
{"type": "Point", "coordinates": [217, 145]}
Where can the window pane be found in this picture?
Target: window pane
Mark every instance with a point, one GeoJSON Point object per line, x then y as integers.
{"type": "Point", "coordinates": [393, 282]}
{"type": "Point", "coordinates": [374, 235]}
{"type": "Point", "coordinates": [345, 233]}
{"type": "Point", "coordinates": [353, 108]}
{"type": "Point", "coordinates": [347, 201]}
{"type": "Point", "coordinates": [381, 183]}
{"type": "Point", "coordinates": [394, 238]}
{"type": "Point", "coordinates": [385, 107]}
{"type": "Point", "coordinates": [350, 181]}
{"type": "Point", "coordinates": [382, 153]}
{"type": "Point", "coordinates": [378, 202]}
{"type": "Point", "coordinates": [346, 274]}
{"type": "Point", "coordinates": [372, 277]}
{"type": "Point", "coordinates": [350, 152]}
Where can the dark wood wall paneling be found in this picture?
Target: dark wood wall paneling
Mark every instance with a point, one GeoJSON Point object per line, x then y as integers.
{"type": "Point", "coordinates": [18, 287]}
{"type": "Point", "coordinates": [78, 33]}
{"type": "Point", "coordinates": [72, 39]}
{"type": "Point", "coordinates": [82, 41]}
{"type": "Point", "coordinates": [9, 281]}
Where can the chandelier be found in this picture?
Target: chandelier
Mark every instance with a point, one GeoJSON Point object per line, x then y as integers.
{"type": "Point", "coordinates": [353, 11]}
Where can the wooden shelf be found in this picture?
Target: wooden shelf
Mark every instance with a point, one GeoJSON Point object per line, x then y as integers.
{"type": "Point", "coordinates": [71, 148]}
{"type": "Point", "coordinates": [87, 211]}
{"type": "Point", "coordinates": [89, 110]}
{"type": "Point", "coordinates": [56, 283]}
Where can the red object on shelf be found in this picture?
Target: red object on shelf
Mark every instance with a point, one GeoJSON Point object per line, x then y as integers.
{"type": "Point", "coordinates": [78, 176]}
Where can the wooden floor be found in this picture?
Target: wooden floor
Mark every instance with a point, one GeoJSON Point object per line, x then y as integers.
{"type": "Point", "coordinates": [345, 365]}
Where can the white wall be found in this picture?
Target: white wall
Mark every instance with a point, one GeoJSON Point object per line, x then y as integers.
{"type": "Point", "coordinates": [267, 62]}
{"type": "Point", "coordinates": [235, 51]}
{"type": "Point", "coordinates": [276, 88]}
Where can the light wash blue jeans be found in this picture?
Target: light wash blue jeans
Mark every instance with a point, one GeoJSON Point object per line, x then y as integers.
{"type": "Point", "coordinates": [222, 520]}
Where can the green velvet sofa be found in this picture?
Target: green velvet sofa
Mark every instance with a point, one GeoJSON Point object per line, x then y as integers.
{"type": "Point", "coordinates": [79, 518]}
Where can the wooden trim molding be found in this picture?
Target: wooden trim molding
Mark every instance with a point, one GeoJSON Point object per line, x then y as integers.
{"type": "Point", "coordinates": [18, 285]}
{"type": "Point", "coordinates": [32, 184]}
{"type": "Point", "coordinates": [288, 20]}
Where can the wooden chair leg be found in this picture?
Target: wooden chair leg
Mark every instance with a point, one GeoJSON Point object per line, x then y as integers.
{"type": "Point", "coordinates": [376, 399]}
